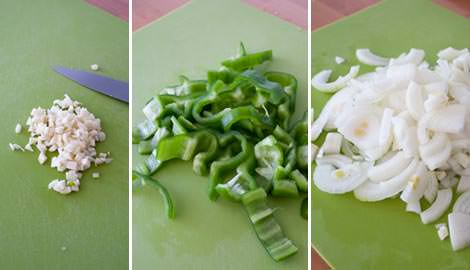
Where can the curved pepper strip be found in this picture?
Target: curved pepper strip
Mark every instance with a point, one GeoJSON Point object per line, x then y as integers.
{"type": "Point", "coordinates": [179, 146]}
{"type": "Point", "coordinates": [288, 82]}
{"type": "Point", "coordinates": [228, 117]}
{"type": "Point", "coordinates": [272, 90]}
{"type": "Point", "coordinates": [220, 167]}
{"type": "Point", "coordinates": [241, 183]}
{"type": "Point", "coordinates": [284, 138]}
{"type": "Point", "coordinates": [206, 149]}
{"type": "Point", "coordinates": [146, 147]}
{"type": "Point", "coordinates": [266, 227]}
{"type": "Point", "coordinates": [185, 87]}
{"type": "Point", "coordinates": [168, 202]}
{"type": "Point", "coordinates": [247, 61]}
{"type": "Point", "coordinates": [282, 185]}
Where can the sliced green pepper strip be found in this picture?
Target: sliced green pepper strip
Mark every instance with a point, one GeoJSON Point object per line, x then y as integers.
{"type": "Point", "coordinates": [272, 90]}
{"type": "Point", "coordinates": [266, 227]}
{"type": "Point", "coordinates": [168, 202]}
{"type": "Point", "coordinates": [283, 114]}
{"type": "Point", "coordinates": [284, 188]}
{"type": "Point", "coordinates": [207, 146]}
{"type": "Point", "coordinates": [222, 166]}
{"type": "Point", "coordinates": [146, 147]}
{"type": "Point", "coordinates": [299, 132]}
{"type": "Point", "coordinates": [288, 82]}
{"type": "Point", "coordinates": [228, 117]}
{"type": "Point", "coordinates": [302, 157]}
{"type": "Point", "coordinates": [226, 75]}
{"type": "Point", "coordinates": [283, 137]}
{"type": "Point", "coordinates": [299, 179]}
{"type": "Point", "coordinates": [233, 189]}
{"type": "Point", "coordinates": [247, 61]}
{"type": "Point", "coordinates": [185, 87]}
{"type": "Point", "coordinates": [178, 128]}
{"type": "Point", "coordinates": [144, 130]}
{"type": "Point", "coordinates": [179, 146]}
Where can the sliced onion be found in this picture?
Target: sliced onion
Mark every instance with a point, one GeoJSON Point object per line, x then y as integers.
{"type": "Point", "coordinates": [332, 180]}
{"type": "Point", "coordinates": [318, 125]}
{"type": "Point", "coordinates": [414, 206]}
{"type": "Point", "coordinates": [370, 191]}
{"type": "Point", "coordinates": [464, 184]}
{"type": "Point", "coordinates": [320, 80]}
{"type": "Point", "coordinates": [438, 143]}
{"type": "Point", "coordinates": [439, 206]}
{"type": "Point", "coordinates": [390, 168]}
{"type": "Point", "coordinates": [438, 160]}
{"type": "Point", "coordinates": [335, 160]}
{"type": "Point", "coordinates": [414, 56]}
{"type": "Point", "coordinates": [365, 56]}
{"type": "Point", "coordinates": [414, 100]}
{"type": "Point", "coordinates": [314, 151]}
{"type": "Point", "coordinates": [430, 192]}
{"type": "Point", "coordinates": [459, 229]}
{"type": "Point", "coordinates": [385, 135]}
{"type": "Point", "coordinates": [416, 185]}
{"type": "Point", "coordinates": [332, 144]}
{"type": "Point", "coordinates": [462, 204]}
{"type": "Point", "coordinates": [450, 119]}
{"type": "Point", "coordinates": [450, 53]}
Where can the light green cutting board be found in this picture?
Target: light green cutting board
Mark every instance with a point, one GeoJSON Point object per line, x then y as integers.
{"type": "Point", "coordinates": [357, 235]}
{"type": "Point", "coordinates": [208, 235]}
{"type": "Point", "coordinates": [36, 223]}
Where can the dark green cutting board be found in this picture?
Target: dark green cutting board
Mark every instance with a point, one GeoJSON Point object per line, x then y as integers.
{"type": "Point", "coordinates": [204, 234]}
{"type": "Point", "coordinates": [36, 224]}
{"type": "Point", "coordinates": [356, 235]}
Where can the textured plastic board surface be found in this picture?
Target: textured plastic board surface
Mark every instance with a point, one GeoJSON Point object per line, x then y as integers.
{"type": "Point", "coordinates": [36, 223]}
{"type": "Point", "coordinates": [357, 235]}
{"type": "Point", "coordinates": [205, 234]}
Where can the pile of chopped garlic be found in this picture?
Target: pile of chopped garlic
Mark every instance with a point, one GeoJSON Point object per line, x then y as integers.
{"type": "Point", "coordinates": [72, 131]}
{"type": "Point", "coordinates": [401, 130]}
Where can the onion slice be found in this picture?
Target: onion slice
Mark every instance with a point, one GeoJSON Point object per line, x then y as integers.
{"type": "Point", "coordinates": [438, 208]}
{"type": "Point", "coordinates": [370, 191]}
{"type": "Point", "coordinates": [320, 80]}
{"type": "Point", "coordinates": [462, 205]}
{"type": "Point", "coordinates": [459, 229]}
{"type": "Point", "coordinates": [464, 184]}
{"type": "Point", "coordinates": [365, 56]}
{"type": "Point", "coordinates": [389, 168]}
{"type": "Point", "coordinates": [332, 180]}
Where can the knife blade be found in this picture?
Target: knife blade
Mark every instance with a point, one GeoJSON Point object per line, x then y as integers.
{"type": "Point", "coordinates": [114, 88]}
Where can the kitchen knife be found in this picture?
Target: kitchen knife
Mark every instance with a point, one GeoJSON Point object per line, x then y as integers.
{"type": "Point", "coordinates": [105, 85]}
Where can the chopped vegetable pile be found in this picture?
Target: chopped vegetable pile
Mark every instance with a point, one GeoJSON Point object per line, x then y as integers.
{"type": "Point", "coordinates": [236, 127]}
{"type": "Point", "coordinates": [402, 130]}
{"type": "Point", "coordinates": [72, 131]}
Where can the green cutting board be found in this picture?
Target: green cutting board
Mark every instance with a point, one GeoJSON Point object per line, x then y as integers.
{"type": "Point", "coordinates": [204, 234]}
{"type": "Point", "coordinates": [356, 235]}
{"type": "Point", "coordinates": [39, 228]}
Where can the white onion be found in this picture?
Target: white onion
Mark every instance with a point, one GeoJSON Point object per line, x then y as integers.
{"type": "Point", "coordinates": [390, 168]}
{"type": "Point", "coordinates": [439, 206]}
{"type": "Point", "coordinates": [464, 184]}
{"type": "Point", "coordinates": [365, 56]}
{"type": "Point", "coordinates": [320, 80]}
{"type": "Point", "coordinates": [340, 180]}
{"type": "Point", "coordinates": [459, 229]}
{"type": "Point", "coordinates": [462, 204]}
{"type": "Point", "coordinates": [370, 191]}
